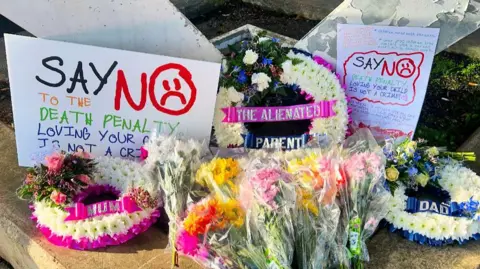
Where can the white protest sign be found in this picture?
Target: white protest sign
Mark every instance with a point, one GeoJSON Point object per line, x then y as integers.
{"type": "Point", "coordinates": [385, 71]}
{"type": "Point", "coordinates": [104, 101]}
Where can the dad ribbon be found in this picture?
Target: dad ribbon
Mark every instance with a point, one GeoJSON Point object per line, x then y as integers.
{"type": "Point", "coordinates": [322, 109]}
{"type": "Point", "coordinates": [80, 211]}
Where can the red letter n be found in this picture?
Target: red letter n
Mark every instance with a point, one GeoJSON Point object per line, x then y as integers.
{"type": "Point", "coordinates": [385, 68]}
{"type": "Point", "coordinates": [122, 86]}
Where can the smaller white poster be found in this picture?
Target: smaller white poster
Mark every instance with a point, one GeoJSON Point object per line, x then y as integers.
{"type": "Point", "coordinates": [386, 70]}
{"type": "Point", "coordinates": [104, 101]}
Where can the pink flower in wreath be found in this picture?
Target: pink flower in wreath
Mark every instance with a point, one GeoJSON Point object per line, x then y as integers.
{"type": "Point", "coordinates": [143, 153]}
{"type": "Point", "coordinates": [84, 178]}
{"type": "Point", "coordinates": [54, 162]}
{"type": "Point", "coordinates": [58, 197]}
{"type": "Point", "coordinates": [82, 154]}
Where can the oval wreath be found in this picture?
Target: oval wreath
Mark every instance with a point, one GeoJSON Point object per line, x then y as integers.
{"type": "Point", "coordinates": [269, 93]}
{"type": "Point", "coordinates": [84, 203]}
{"type": "Point", "coordinates": [438, 223]}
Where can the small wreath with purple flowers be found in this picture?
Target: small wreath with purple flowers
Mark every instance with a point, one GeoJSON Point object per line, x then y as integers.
{"type": "Point", "coordinates": [267, 90]}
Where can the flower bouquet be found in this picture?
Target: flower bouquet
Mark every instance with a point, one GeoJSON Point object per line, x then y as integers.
{"type": "Point", "coordinates": [317, 214]}
{"type": "Point", "coordinates": [172, 164]}
{"type": "Point", "coordinates": [362, 199]}
{"type": "Point", "coordinates": [271, 210]}
{"type": "Point", "coordinates": [214, 231]}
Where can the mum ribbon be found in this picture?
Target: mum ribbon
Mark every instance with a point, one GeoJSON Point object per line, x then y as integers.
{"type": "Point", "coordinates": [322, 109]}
{"type": "Point", "coordinates": [81, 211]}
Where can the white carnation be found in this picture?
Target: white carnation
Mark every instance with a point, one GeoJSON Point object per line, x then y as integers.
{"type": "Point", "coordinates": [250, 58]}
{"type": "Point", "coordinates": [224, 66]}
{"type": "Point", "coordinates": [262, 80]}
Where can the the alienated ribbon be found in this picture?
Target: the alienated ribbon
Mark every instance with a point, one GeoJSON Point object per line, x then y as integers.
{"type": "Point", "coordinates": [322, 109]}
{"type": "Point", "coordinates": [81, 211]}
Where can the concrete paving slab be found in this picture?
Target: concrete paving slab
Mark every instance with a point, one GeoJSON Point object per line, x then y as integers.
{"type": "Point", "coordinates": [456, 19]}
{"type": "Point", "coordinates": [150, 26]}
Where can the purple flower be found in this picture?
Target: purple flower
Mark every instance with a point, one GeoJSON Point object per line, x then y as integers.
{"type": "Point", "coordinates": [266, 61]}
{"type": "Point", "coordinates": [242, 77]}
{"type": "Point", "coordinates": [412, 171]}
{"type": "Point", "coordinates": [275, 40]}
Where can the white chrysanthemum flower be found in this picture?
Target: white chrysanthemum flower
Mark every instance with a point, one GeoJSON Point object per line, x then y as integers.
{"type": "Point", "coordinates": [262, 81]}
{"type": "Point", "coordinates": [250, 58]}
{"type": "Point", "coordinates": [234, 96]}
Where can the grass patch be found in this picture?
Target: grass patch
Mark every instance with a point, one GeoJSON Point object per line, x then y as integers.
{"type": "Point", "coordinates": [451, 111]}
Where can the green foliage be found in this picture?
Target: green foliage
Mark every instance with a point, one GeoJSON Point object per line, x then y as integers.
{"type": "Point", "coordinates": [451, 112]}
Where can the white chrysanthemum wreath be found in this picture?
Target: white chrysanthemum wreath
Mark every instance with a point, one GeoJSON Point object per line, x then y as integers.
{"type": "Point", "coordinates": [263, 81]}
{"type": "Point", "coordinates": [110, 222]}
{"type": "Point", "coordinates": [430, 226]}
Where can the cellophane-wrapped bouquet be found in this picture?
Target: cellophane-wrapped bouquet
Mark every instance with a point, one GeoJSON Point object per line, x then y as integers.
{"type": "Point", "coordinates": [271, 210]}
{"type": "Point", "coordinates": [172, 163]}
{"type": "Point", "coordinates": [363, 199]}
{"type": "Point", "coordinates": [246, 220]}
{"type": "Point", "coordinates": [316, 175]}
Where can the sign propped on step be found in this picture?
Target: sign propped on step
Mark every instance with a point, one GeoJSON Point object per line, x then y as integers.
{"type": "Point", "coordinates": [386, 71]}
{"type": "Point", "coordinates": [101, 100]}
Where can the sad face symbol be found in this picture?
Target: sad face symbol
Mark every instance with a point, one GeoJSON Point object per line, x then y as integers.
{"type": "Point", "coordinates": [406, 68]}
{"type": "Point", "coordinates": [186, 93]}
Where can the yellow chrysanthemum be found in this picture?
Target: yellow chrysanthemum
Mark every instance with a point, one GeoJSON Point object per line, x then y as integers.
{"type": "Point", "coordinates": [306, 171]}
{"type": "Point", "coordinates": [233, 212]}
{"type": "Point", "coordinates": [218, 172]}
{"type": "Point", "coordinates": [307, 201]}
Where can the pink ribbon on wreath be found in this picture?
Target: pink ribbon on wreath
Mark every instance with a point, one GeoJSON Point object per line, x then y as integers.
{"type": "Point", "coordinates": [81, 211]}
{"type": "Point", "coordinates": [322, 109]}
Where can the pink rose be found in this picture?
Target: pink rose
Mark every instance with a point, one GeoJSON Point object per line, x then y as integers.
{"type": "Point", "coordinates": [58, 197]}
{"type": "Point", "coordinates": [54, 162]}
{"type": "Point", "coordinates": [29, 179]}
{"type": "Point", "coordinates": [84, 178]}
{"type": "Point", "coordinates": [82, 154]}
{"type": "Point", "coordinates": [143, 153]}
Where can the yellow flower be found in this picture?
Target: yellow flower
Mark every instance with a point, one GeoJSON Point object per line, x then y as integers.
{"type": "Point", "coordinates": [432, 152]}
{"type": "Point", "coordinates": [307, 201]}
{"type": "Point", "coordinates": [232, 212]}
{"type": "Point", "coordinates": [422, 179]}
{"type": "Point", "coordinates": [219, 171]}
{"type": "Point", "coordinates": [392, 173]}
{"type": "Point", "coordinates": [411, 148]}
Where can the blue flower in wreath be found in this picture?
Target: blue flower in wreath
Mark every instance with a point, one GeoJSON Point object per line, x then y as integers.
{"type": "Point", "coordinates": [242, 77]}
{"type": "Point", "coordinates": [429, 167]}
{"type": "Point", "coordinates": [412, 171]}
{"type": "Point", "coordinates": [417, 156]}
{"type": "Point", "coordinates": [266, 61]}
{"type": "Point", "coordinates": [275, 40]}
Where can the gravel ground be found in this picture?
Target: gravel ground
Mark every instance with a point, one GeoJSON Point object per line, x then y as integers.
{"type": "Point", "coordinates": [236, 14]}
